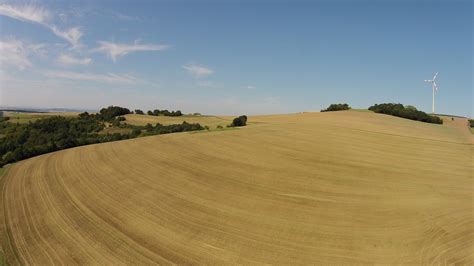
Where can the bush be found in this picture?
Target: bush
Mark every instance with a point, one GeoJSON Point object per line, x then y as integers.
{"type": "Point", "coordinates": [135, 133]}
{"type": "Point", "coordinates": [337, 107]}
{"type": "Point", "coordinates": [401, 111]}
{"type": "Point", "coordinates": [139, 112]}
{"type": "Point", "coordinates": [471, 123]}
{"type": "Point", "coordinates": [239, 121]}
{"type": "Point", "coordinates": [219, 127]}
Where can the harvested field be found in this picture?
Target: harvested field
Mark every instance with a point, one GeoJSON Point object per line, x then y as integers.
{"type": "Point", "coordinates": [338, 187]}
{"type": "Point", "coordinates": [204, 120]}
{"type": "Point", "coordinates": [20, 117]}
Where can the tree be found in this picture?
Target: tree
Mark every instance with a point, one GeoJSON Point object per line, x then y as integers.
{"type": "Point", "coordinates": [107, 114]}
{"type": "Point", "coordinates": [139, 112]}
{"type": "Point", "coordinates": [239, 121]}
{"type": "Point", "coordinates": [149, 112]}
{"type": "Point", "coordinates": [337, 107]}
{"type": "Point", "coordinates": [149, 127]}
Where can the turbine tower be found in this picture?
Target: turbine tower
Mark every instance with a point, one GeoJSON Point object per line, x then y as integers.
{"type": "Point", "coordinates": [435, 88]}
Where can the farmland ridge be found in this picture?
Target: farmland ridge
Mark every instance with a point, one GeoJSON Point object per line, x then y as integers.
{"type": "Point", "coordinates": [309, 188]}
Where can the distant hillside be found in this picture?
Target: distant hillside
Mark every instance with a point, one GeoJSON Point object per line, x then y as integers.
{"type": "Point", "coordinates": [342, 187]}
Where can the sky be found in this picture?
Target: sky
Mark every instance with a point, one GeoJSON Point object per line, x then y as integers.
{"type": "Point", "coordinates": [236, 57]}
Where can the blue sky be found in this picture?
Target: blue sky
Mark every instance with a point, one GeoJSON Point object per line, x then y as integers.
{"type": "Point", "coordinates": [233, 57]}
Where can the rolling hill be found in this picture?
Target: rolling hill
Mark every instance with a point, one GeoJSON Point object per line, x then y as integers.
{"type": "Point", "coordinates": [204, 120]}
{"type": "Point", "coordinates": [337, 187]}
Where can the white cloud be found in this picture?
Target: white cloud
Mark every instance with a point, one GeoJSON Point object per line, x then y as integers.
{"type": "Point", "coordinates": [28, 13]}
{"type": "Point", "coordinates": [198, 71]}
{"type": "Point", "coordinates": [72, 35]}
{"type": "Point", "coordinates": [66, 59]}
{"type": "Point", "coordinates": [107, 78]}
{"type": "Point", "coordinates": [115, 50]}
{"type": "Point", "coordinates": [40, 15]}
{"type": "Point", "coordinates": [251, 87]}
{"type": "Point", "coordinates": [14, 53]}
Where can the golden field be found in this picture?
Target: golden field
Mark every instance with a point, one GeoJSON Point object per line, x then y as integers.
{"type": "Point", "coordinates": [204, 120]}
{"type": "Point", "coordinates": [334, 188]}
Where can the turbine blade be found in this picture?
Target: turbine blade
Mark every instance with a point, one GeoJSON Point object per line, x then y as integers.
{"type": "Point", "coordinates": [427, 80]}
{"type": "Point", "coordinates": [435, 86]}
{"type": "Point", "coordinates": [435, 76]}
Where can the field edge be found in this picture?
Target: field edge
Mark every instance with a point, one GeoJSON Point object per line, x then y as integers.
{"type": "Point", "coordinates": [7, 253]}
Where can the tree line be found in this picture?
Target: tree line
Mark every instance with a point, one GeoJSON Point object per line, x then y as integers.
{"type": "Point", "coordinates": [158, 112]}
{"type": "Point", "coordinates": [337, 107]}
{"type": "Point", "coordinates": [408, 112]}
{"type": "Point", "coordinates": [21, 141]}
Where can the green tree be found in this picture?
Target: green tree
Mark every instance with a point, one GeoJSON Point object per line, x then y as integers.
{"type": "Point", "coordinates": [239, 121]}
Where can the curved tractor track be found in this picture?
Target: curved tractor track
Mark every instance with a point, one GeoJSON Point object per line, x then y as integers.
{"type": "Point", "coordinates": [344, 187]}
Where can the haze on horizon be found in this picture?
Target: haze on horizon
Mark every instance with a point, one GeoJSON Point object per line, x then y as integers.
{"type": "Point", "coordinates": [236, 57]}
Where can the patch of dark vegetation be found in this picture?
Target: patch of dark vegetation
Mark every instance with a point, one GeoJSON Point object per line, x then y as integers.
{"type": "Point", "coordinates": [139, 112]}
{"type": "Point", "coordinates": [239, 121]}
{"type": "Point", "coordinates": [165, 129]}
{"type": "Point", "coordinates": [337, 107]}
{"type": "Point", "coordinates": [408, 112]}
{"type": "Point", "coordinates": [22, 141]}
{"type": "Point", "coordinates": [471, 122]}
{"type": "Point", "coordinates": [3, 118]}
{"type": "Point", "coordinates": [109, 113]}
{"type": "Point", "coordinates": [158, 112]}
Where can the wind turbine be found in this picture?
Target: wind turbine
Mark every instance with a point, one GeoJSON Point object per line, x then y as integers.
{"type": "Point", "coordinates": [435, 88]}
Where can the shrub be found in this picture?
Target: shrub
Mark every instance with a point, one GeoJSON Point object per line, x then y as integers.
{"type": "Point", "coordinates": [471, 123]}
{"type": "Point", "coordinates": [337, 107]}
{"type": "Point", "coordinates": [219, 127]}
{"type": "Point", "coordinates": [149, 127]}
{"type": "Point", "coordinates": [397, 109]}
{"type": "Point", "coordinates": [239, 121]}
{"type": "Point", "coordinates": [139, 112]}
{"type": "Point", "coordinates": [135, 133]}
{"type": "Point", "coordinates": [206, 128]}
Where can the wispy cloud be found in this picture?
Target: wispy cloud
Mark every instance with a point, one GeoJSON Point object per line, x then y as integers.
{"type": "Point", "coordinates": [72, 35]}
{"type": "Point", "coordinates": [27, 13]}
{"type": "Point", "coordinates": [65, 59]}
{"type": "Point", "coordinates": [106, 78]}
{"type": "Point", "coordinates": [14, 53]}
{"type": "Point", "coordinates": [42, 16]}
{"type": "Point", "coordinates": [18, 54]}
{"type": "Point", "coordinates": [198, 71]}
{"type": "Point", "coordinates": [116, 50]}
{"type": "Point", "coordinates": [124, 17]}
{"type": "Point", "coordinates": [250, 87]}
